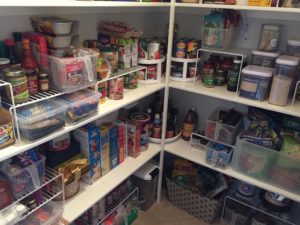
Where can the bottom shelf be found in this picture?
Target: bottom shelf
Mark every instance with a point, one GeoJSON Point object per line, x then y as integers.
{"type": "Point", "coordinates": [90, 194]}
{"type": "Point", "coordinates": [182, 149]}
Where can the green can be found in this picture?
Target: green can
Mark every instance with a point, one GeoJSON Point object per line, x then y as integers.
{"type": "Point", "coordinates": [130, 81]}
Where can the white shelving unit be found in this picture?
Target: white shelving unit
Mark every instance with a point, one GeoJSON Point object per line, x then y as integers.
{"type": "Point", "coordinates": [90, 194]}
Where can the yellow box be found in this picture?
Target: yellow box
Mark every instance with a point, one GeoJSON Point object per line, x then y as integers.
{"type": "Point", "coordinates": [259, 2]}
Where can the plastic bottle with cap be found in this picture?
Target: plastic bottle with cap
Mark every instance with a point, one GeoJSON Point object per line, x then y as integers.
{"type": "Point", "coordinates": [233, 76]}
{"type": "Point", "coordinates": [10, 51]}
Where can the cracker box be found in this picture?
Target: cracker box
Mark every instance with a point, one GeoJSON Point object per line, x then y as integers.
{"type": "Point", "coordinates": [89, 138]}
{"type": "Point", "coordinates": [133, 139]}
{"type": "Point", "coordinates": [105, 160]}
{"type": "Point", "coordinates": [121, 139]}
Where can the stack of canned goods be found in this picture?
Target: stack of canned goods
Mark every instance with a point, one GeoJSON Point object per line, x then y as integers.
{"type": "Point", "coordinates": [151, 49]}
{"type": "Point", "coordinates": [186, 48]}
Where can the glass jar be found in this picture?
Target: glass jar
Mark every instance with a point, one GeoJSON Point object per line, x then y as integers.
{"type": "Point", "coordinates": [220, 78]}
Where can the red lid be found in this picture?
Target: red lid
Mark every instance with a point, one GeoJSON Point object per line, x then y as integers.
{"type": "Point", "coordinates": [9, 42]}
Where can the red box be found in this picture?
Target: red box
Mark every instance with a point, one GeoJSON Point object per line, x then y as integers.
{"type": "Point", "coordinates": [133, 138]}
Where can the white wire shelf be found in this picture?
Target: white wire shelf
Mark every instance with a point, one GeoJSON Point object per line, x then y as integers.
{"type": "Point", "coordinates": [50, 189]}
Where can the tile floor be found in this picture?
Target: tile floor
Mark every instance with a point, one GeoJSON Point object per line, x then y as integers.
{"type": "Point", "coordinates": [167, 214]}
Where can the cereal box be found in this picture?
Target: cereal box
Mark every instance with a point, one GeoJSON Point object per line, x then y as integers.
{"type": "Point", "coordinates": [89, 138]}
{"type": "Point", "coordinates": [105, 160]}
{"type": "Point", "coordinates": [121, 139]}
{"type": "Point", "coordinates": [113, 144]}
{"type": "Point", "coordinates": [133, 139]}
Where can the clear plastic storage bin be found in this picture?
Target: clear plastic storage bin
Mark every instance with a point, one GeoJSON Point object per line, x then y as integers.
{"type": "Point", "coordinates": [265, 59]}
{"type": "Point", "coordinates": [284, 80]}
{"type": "Point", "coordinates": [27, 179]}
{"type": "Point", "coordinates": [52, 214]}
{"type": "Point", "coordinates": [255, 82]}
{"type": "Point", "coordinates": [293, 48]}
{"type": "Point", "coordinates": [217, 38]}
{"type": "Point", "coordinates": [218, 158]}
{"type": "Point", "coordinates": [40, 119]}
{"type": "Point", "coordinates": [80, 104]}
{"type": "Point", "coordinates": [267, 165]}
{"type": "Point", "coordinates": [219, 132]}
{"type": "Point", "coordinates": [71, 74]}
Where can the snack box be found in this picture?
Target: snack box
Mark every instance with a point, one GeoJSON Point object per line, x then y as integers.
{"type": "Point", "coordinates": [105, 149]}
{"type": "Point", "coordinates": [89, 138]}
{"type": "Point", "coordinates": [80, 104]}
{"type": "Point", "coordinates": [121, 126]}
{"type": "Point", "coordinates": [113, 144]}
{"type": "Point", "coordinates": [40, 119]}
{"type": "Point", "coordinates": [133, 138]}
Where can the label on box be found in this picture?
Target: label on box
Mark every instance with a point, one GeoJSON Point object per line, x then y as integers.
{"type": "Point", "coordinates": [105, 148]}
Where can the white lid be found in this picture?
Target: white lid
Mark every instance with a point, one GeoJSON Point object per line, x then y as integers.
{"type": "Point", "coordinates": [236, 61]}
{"type": "Point", "coordinates": [268, 54]}
{"type": "Point", "coordinates": [145, 171]}
{"type": "Point", "coordinates": [4, 61]}
{"type": "Point", "coordinates": [293, 42]}
{"type": "Point", "coordinates": [271, 27]}
{"type": "Point", "coordinates": [258, 71]}
{"type": "Point", "coordinates": [287, 60]}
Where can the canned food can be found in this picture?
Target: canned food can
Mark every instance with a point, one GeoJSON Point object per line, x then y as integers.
{"type": "Point", "coordinates": [143, 48]}
{"type": "Point", "coordinates": [116, 88]}
{"type": "Point", "coordinates": [130, 81]}
{"type": "Point", "coordinates": [151, 72]}
{"type": "Point", "coordinates": [112, 56]}
{"type": "Point", "coordinates": [180, 51]}
{"type": "Point", "coordinates": [192, 71]}
{"type": "Point", "coordinates": [154, 50]}
{"type": "Point", "coordinates": [141, 74]}
{"type": "Point", "coordinates": [192, 48]}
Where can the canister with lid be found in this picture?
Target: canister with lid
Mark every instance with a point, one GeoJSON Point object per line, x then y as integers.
{"type": "Point", "coordinates": [255, 82]}
{"type": "Point", "coordinates": [265, 59]}
{"type": "Point", "coordinates": [283, 80]}
{"type": "Point", "coordinates": [293, 48]}
{"type": "Point", "coordinates": [269, 37]}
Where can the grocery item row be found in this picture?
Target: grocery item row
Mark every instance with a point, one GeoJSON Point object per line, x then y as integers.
{"type": "Point", "coordinates": [209, 195]}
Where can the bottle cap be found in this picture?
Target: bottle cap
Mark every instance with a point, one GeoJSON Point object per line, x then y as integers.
{"type": "Point", "coordinates": [17, 36]}
{"type": "Point", "coordinates": [9, 42]}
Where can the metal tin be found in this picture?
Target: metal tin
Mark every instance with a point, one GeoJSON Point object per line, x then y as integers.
{"type": "Point", "coordinates": [154, 50]}
{"type": "Point", "coordinates": [143, 48]}
{"type": "Point", "coordinates": [116, 88]}
{"type": "Point", "coordinates": [180, 51]}
{"type": "Point", "coordinates": [192, 48]}
{"type": "Point", "coordinates": [151, 72]}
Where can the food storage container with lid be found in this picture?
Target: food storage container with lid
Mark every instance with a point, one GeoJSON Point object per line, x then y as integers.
{"type": "Point", "coordinates": [265, 59]}
{"type": "Point", "coordinates": [40, 119]}
{"type": "Point", "coordinates": [269, 37]}
{"type": "Point", "coordinates": [80, 104]}
{"type": "Point", "coordinates": [293, 48]}
{"type": "Point", "coordinates": [255, 82]}
{"type": "Point", "coordinates": [284, 79]}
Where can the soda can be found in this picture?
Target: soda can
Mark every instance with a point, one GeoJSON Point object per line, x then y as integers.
{"type": "Point", "coordinates": [192, 48]}
{"type": "Point", "coordinates": [143, 48]}
{"type": "Point", "coordinates": [151, 72]}
{"type": "Point", "coordinates": [180, 51]}
{"type": "Point", "coordinates": [154, 50]}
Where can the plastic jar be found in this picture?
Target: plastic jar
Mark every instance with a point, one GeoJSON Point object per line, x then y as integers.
{"type": "Point", "coordinates": [293, 48]}
{"type": "Point", "coordinates": [265, 59]}
{"type": "Point", "coordinates": [269, 37]}
{"type": "Point", "coordinates": [283, 80]}
{"type": "Point", "coordinates": [255, 82]}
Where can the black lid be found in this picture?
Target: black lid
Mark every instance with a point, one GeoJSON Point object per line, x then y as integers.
{"type": "Point", "coordinates": [17, 36]}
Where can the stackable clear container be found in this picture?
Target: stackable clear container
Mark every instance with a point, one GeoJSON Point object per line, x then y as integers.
{"type": "Point", "coordinates": [219, 38]}
{"type": "Point", "coordinates": [219, 132]}
{"type": "Point", "coordinates": [255, 82]}
{"type": "Point", "coordinates": [293, 48]}
{"type": "Point", "coordinates": [284, 80]}
{"type": "Point", "coordinates": [40, 119]}
{"type": "Point", "coordinates": [71, 74]}
{"type": "Point", "coordinates": [25, 180]}
{"type": "Point", "coordinates": [265, 59]}
{"type": "Point", "coordinates": [218, 158]}
{"type": "Point", "coordinates": [270, 37]}
{"type": "Point", "coordinates": [80, 104]}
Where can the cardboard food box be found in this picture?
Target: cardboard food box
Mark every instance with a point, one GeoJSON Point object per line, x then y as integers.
{"type": "Point", "coordinates": [121, 126]}
{"type": "Point", "coordinates": [105, 148]}
{"type": "Point", "coordinates": [89, 138]}
{"type": "Point", "coordinates": [133, 139]}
